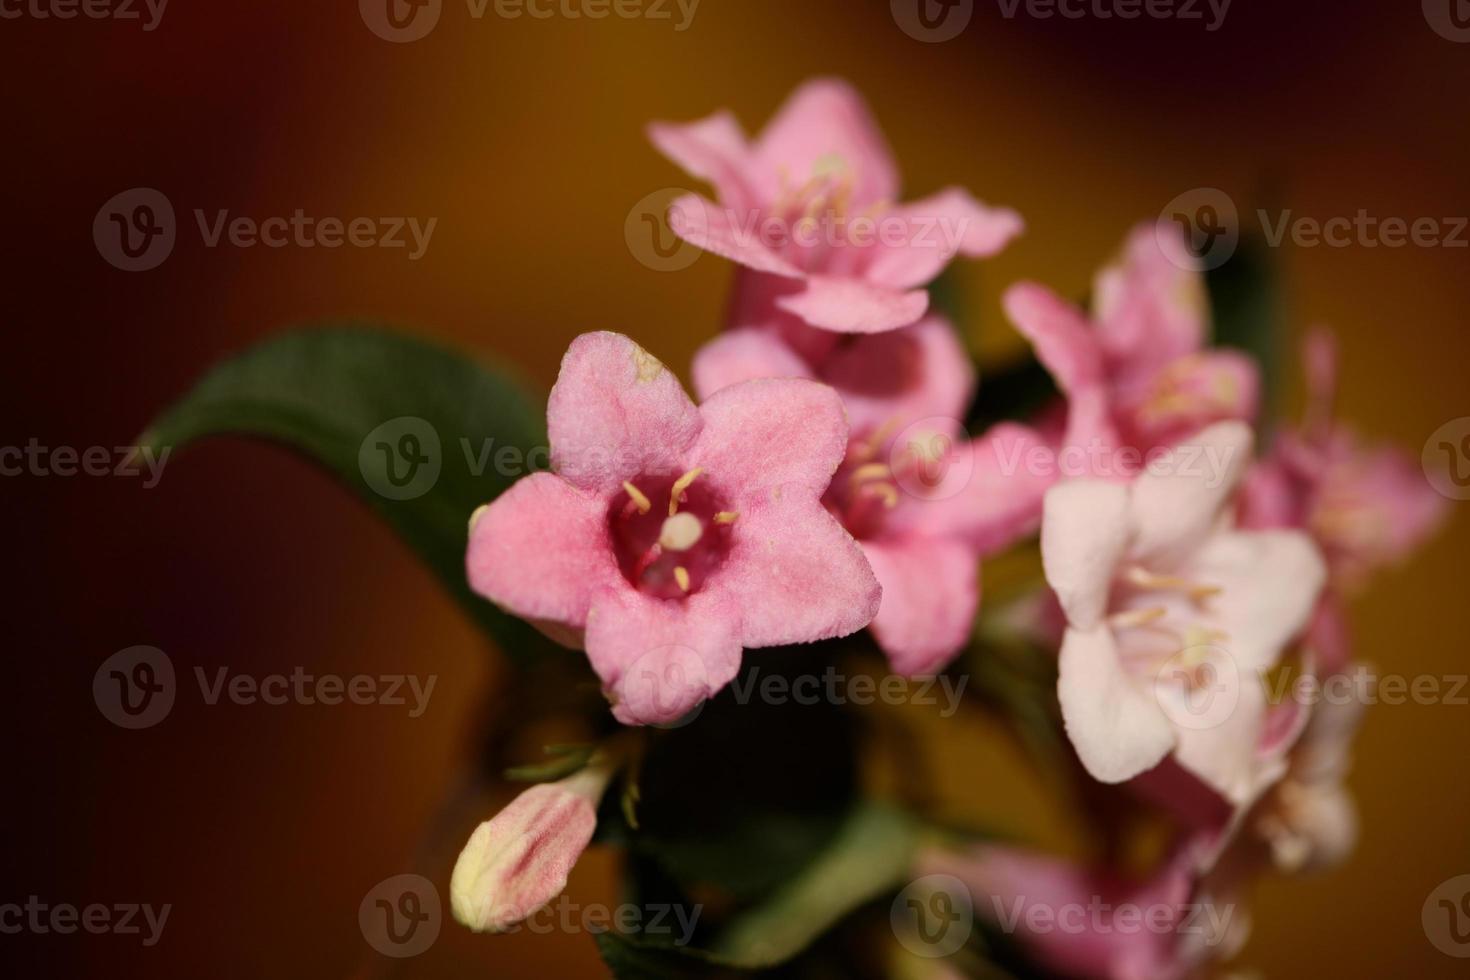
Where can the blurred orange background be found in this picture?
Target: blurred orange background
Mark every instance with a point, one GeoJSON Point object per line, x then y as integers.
{"type": "Point", "coordinates": [264, 827]}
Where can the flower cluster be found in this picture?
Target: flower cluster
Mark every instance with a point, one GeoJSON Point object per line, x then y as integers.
{"type": "Point", "coordinates": [825, 483]}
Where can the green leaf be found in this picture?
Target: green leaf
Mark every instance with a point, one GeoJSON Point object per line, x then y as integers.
{"type": "Point", "coordinates": [390, 416]}
{"type": "Point", "coordinates": [565, 760]}
{"type": "Point", "coordinates": [1246, 307]}
{"type": "Point", "coordinates": [873, 853]}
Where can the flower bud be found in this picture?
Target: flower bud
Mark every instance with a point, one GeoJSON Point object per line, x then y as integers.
{"type": "Point", "coordinates": [517, 862]}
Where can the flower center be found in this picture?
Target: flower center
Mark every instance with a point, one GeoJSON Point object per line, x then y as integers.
{"type": "Point", "coordinates": [1165, 621]}
{"type": "Point", "coordinates": [817, 215]}
{"type": "Point", "coordinates": [669, 533]}
{"type": "Point", "coordinates": [863, 490]}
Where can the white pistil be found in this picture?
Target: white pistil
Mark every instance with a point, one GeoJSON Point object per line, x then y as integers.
{"type": "Point", "coordinates": [639, 498]}
{"type": "Point", "coordinates": [680, 532]}
{"type": "Point", "coordinates": [681, 576]}
{"type": "Point", "coordinates": [680, 485]}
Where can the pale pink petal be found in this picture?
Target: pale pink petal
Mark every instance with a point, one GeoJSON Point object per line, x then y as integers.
{"type": "Point", "coordinates": [727, 232]}
{"type": "Point", "coordinates": [1269, 584]}
{"type": "Point", "coordinates": [931, 591]}
{"type": "Point", "coordinates": [616, 412]}
{"type": "Point", "coordinates": [796, 574]}
{"type": "Point", "coordinates": [1064, 341]}
{"type": "Point", "coordinates": [1084, 534]}
{"type": "Point", "coordinates": [660, 658]}
{"type": "Point", "coordinates": [1117, 729]}
{"type": "Point", "coordinates": [1219, 746]}
{"type": "Point", "coordinates": [1178, 498]}
{"type": "Point", "coordinates": [900, 377]}
{"type": "Point", "coordinates": [1149, 309]}
{"type": "Point", "coordinates": [712, 149]}
{"type": "Point", "coordinates": [936, 229]}
{"type": "Point", "coordinates": [771, 436]}
{"type": "Point", "coordinates": [854, 306]}
{"type": "Point", "coordinates": [744, 355]}
{"type": "Point", "coordinates": [540, 550]}
{"type": "Point", "coordinates": [826, 126]}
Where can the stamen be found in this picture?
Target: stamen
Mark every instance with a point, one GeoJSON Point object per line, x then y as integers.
{"type": "Point", "coordinates": [640, 500]}
{"type": "Point", "coordinates": [887, 492]}
{"type": "Point", "coordinates": [870, 471]}
{"type": "Point", "coordinates": [680, 532]}
{"type": "Point", "coordinates": [479, 513]}
{"type": "Point", "coordinates": [681, 576]}
{"type": "Point", "coordinates": [680, 485]}
{"type": "Point", "coordinates": [726, 516]}
{"type": "Point", "coordinates": [1136, 617]}
{"type": "Point", "coordinates": [1144, 579]}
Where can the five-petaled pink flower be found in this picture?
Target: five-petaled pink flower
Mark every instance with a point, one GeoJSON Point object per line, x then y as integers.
{"type": "Point", "coordinates": [810, 209]}
{"type": "Point", "coordinates": [925, 503]}
{"type": "Point", "coordinates": [1137, 374]}
{"type": "Point", "coordinates": [1173, 616]}
{"type": "Point", "coordinates": [671, 536]}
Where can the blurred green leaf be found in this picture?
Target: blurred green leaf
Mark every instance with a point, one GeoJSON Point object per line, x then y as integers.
{"type": "Point", "coordinates": [565, 760]}
{"type": "Point", "coordinates": [405, 425]}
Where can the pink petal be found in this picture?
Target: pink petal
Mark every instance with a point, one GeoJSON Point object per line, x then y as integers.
{"type": "Point", "coordinates": [1195, 391]}
{"type": "Point", "coordinates": [661, 658]}
{"type": "Point", "coordinates": [1177, 500]}
{"type": "Point", "coordinates": [1084, 533]}
{"type": "Point", "coordinates": [728, 232]}
{"type": "Point", "coordinates": [1149, 310]}
{"type": "Point", "coordinates": [796, 575]}
{"type": "Point", "coordinates": [931, 591]}
{"type": "Point", "coordinates": [991, 496]}
{"type": "Point", "coordinates": [938, 228]}
{"type": "Point", "coordinates": [826, 121]}
{"type": "Point", "coordinates": [1117, 729]}
{"type": "Point", "coordinates": [854, 306]}
{"type": "Point", "coordinates": [1221, 751]}
{"type": "Point", "coordinates": [744, 355]}
{"type": "Point", "coordinates": [712, 149]}
{"type": "Point", "coordinates": [540, 550]}
{"type": "Point", "coordinates": [903, 376]}
{"type": "Point", "coordinates": [772, 437]}
{"type": "Point", "coordinates": [616, 412]}
{"type": "Point", "coordinates": [1063, 340]}
{"type": "Point", "coordinates": [1269, 584]}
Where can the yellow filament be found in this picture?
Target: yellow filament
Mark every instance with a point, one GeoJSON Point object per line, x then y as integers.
{"type": "Point", "coordinates": [640, 500]}
{"type": "Point", "coordinates": [680, 485]}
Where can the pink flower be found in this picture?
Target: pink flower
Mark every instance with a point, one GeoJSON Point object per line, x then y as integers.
{"type": "Point", "coordinates": [1366, 506]}
{"type": "Point", "coordinates": [1137, 374]}
{"type": "Point", "coordinates": [810, 207]}
{"type": "Point", "coordinates": [1097, 923]}
{"type": "Point", "coordinates": [925, 503]}
{"type": "Point", "coordinates": [517, 862]}
{"type": "Point", "coordinates": [1173, 616]}
{"type": "Point", "coordinates": [670, 536]}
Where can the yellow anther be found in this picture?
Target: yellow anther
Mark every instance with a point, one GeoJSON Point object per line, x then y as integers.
{"type": "Point", "coordinates": [680, 485]}
{"type": "Point", "coordinates": [479, 513]}
{"type": "Point", "coordinates": [870, 471]}
{"type": "Point", "coordinates": [681, 575]}
{"type": "Point", "coordinates": [680, 532]}
{"type": "Point", "coordinates": [726, 516]}
{"type": "Point", "coordinates": [886, 491]}
{"type": "Point", "coordinates": [639, 498]}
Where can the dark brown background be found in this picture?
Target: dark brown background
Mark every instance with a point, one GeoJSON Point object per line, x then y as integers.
{"type": "Point", "coordinates": [264, 827]}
